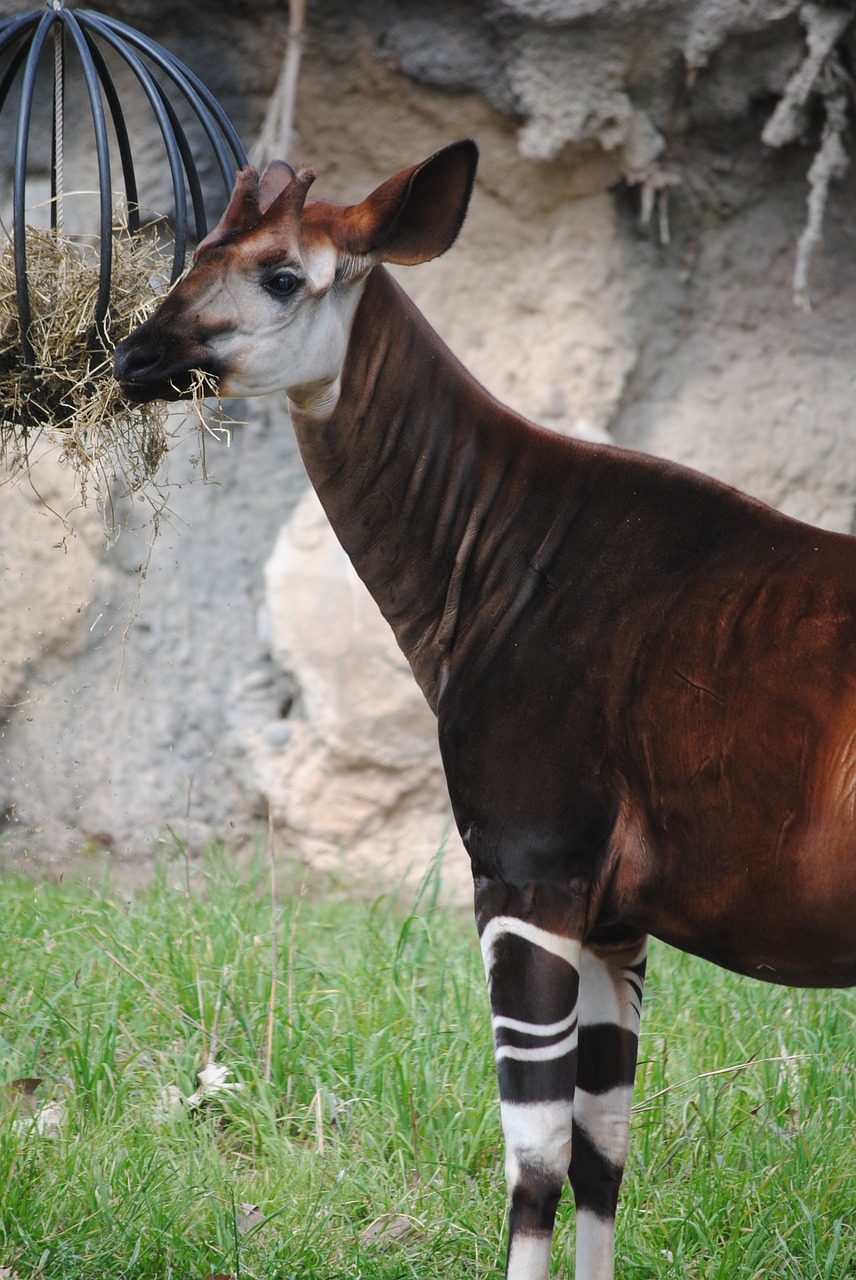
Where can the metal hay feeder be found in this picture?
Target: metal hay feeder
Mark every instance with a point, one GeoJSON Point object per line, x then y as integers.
{"type": "Point", "coordinates": [158, 72]}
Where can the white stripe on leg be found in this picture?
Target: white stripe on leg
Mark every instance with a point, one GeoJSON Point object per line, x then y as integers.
{"type": "Point", "coordinates": [605, 993]}
{"type": "Point", "coordinates": [595, 1247]}
{"type": "Point", "coordinates": [529, 1258]}
{"type": "Point", "coordinates": [537, 1136]}
{"type": "Point", "coordinates": [533, 980]}
{"type": "Point", "coordinates": [567, 949]}
{"type": "Point", "coordinates": [605, 1117]}
{"type": "Point", "coordinates": [611, 979]}
{"type": "Point", "coordinates": [539, 1053]}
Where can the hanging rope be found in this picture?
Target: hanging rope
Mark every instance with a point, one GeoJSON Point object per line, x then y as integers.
{"type": "Point", "coordinates": [59, 124]}
{"type": "Point", "coordinates": [277, 132]}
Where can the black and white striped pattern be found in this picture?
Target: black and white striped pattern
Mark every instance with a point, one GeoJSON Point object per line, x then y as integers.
{"type": "Point", "coordinates": [611, 982]}
{"type": "Point", "coordinates": [565, 1022]}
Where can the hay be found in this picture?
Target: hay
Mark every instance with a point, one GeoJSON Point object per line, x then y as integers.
{"type": "Point", "coordinates": [69, 395]}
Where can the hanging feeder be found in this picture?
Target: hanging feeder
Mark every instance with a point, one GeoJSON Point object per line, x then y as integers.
{"type": "Point", "coordinates": [97, 43]}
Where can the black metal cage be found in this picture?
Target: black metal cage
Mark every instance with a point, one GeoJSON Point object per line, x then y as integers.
{"type": "Point", "coordinates": [22, 43]}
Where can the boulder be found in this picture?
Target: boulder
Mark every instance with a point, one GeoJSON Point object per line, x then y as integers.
{"type": "Point", "coordinates": [352, 769]}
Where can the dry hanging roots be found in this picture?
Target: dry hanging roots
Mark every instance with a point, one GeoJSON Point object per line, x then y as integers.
{"type": "Point", "coordinates": [69, 394]}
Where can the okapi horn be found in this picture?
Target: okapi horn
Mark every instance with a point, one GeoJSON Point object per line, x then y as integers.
{"type": "Point", "coordinates": [243, 211]}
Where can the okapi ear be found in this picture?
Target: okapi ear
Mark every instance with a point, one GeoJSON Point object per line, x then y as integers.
{"type": "Point", "coordinates": [273, 182]}
{"type": "Point", "coordinates": [416, 215]}
{"type": "Point", "coordinates": [242, 212]}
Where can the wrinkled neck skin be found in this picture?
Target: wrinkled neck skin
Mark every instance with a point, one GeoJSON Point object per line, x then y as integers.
{"type": "Point", "coordinates": [314, 402]}
{"type": "Point", "coordinates": [399, 464]}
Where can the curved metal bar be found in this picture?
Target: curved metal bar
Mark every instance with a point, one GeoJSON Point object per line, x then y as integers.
{"type": "Point", "coordinates": [185, 152]}
{"type": "Point", "coordinates": [22, 37]}
{"type": "Point", "coordinates": [152, 91]}
{"type": "Point", "coordinates": [126, 157]}
{"type": "Point", "coordinates": [219, 115]}
{"type": "Point", "coordinates": [208, 111]}
{"type": "Point", "coordinates": [102, 148]}
{"type": "Point", "coordinates": [190, 171]}
{"type": "Point", "coordinates": [19, 230]}
{"type": "Point", "coordinates": [12, 71]}
{"type": "Point", "coordinates": [11, 27]}
{"type": "Point", "coordinates": [182, 76]}
{"type": "Point", "coordinates": [213, 110]}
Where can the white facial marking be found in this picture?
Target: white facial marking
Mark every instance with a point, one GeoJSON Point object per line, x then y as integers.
{"type": "Point", "coordinates": [321, 265]}
{"type": "Point", "coordinates": [296, 343]}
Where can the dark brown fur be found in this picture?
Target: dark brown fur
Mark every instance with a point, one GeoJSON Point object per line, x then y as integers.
{"type": "Point", "coordinates": [644, 680]}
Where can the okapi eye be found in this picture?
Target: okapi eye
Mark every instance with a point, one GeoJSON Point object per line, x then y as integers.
{"type": "Point", "coordinates": [283, 283]}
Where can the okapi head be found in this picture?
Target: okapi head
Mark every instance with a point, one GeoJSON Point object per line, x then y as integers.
{"type": "Point", "coordinates": [270, 297]}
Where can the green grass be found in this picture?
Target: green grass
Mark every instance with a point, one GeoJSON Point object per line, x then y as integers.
{"type": "Point", "coordinates": [381, 1097]}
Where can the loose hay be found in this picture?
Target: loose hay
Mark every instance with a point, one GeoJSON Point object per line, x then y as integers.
{"type": "Point", "coordinates": [69, 394]}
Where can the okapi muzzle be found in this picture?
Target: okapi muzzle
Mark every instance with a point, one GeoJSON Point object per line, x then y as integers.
{"type": "Point", "coordinates": [163, 358]}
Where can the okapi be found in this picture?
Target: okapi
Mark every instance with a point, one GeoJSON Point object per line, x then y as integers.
{"type": "Point", "coordinates": [644, 681]}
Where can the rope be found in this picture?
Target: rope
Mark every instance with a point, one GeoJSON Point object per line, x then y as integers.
{"type": "Point", "coordinates": [276, 136]}
{"type": "Point", "coordinates": [59, 122]}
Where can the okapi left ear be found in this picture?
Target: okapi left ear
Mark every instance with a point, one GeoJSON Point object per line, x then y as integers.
{"type": "Point", "coordinates": [416, 215]}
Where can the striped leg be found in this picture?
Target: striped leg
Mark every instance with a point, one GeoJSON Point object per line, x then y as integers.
{"type": "Point", "coordinates": [532, 970]}
{"type": "Point", "coordinates": [611, 978]}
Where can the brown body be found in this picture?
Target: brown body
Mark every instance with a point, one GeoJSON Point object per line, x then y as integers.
{"type": "Point", "coordinates": [645, 682]}
{"type": "Point", "coordinates": [644, 675]}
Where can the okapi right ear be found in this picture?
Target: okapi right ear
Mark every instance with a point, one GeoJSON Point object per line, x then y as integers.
{"type": "Point", "coordinates": [416, 215]}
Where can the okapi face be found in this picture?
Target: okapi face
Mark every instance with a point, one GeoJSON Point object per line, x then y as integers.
{"type": "Point", "coordinates": [269, 300]}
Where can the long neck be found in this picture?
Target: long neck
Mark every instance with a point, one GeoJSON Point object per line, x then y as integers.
{"type": "Point", "coordinates": [413, 467]}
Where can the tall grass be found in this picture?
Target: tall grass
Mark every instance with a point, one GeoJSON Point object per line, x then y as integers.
{"type": "Point", "coordinates": [364, 1140]}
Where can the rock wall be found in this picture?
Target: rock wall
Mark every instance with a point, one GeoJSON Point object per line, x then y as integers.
{"type": "Point", "coordinates": [626, 272]}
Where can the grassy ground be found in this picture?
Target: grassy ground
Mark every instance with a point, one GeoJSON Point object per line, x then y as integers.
{"type": "Point", "coordinates": [364, 1141]}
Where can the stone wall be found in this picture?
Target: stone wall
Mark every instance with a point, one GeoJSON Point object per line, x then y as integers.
{"type": "Point", "coordinates": [625, 273]}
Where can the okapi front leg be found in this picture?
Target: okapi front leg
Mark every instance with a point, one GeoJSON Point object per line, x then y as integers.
{"type": "Point", "coordinates": [532, 969]}
{"type": "Point", "coordinates": [610, 1007]}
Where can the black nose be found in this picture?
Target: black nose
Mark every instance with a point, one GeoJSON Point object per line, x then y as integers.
{"type": "Point", "coordinates": [136, 361]}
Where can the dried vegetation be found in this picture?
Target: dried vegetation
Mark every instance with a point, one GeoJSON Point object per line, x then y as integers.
{"type": "Point", "coordinates": [68, 393]}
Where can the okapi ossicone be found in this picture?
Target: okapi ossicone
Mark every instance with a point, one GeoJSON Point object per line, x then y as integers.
{"type": "Point", "coordinates": [644, 681]}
